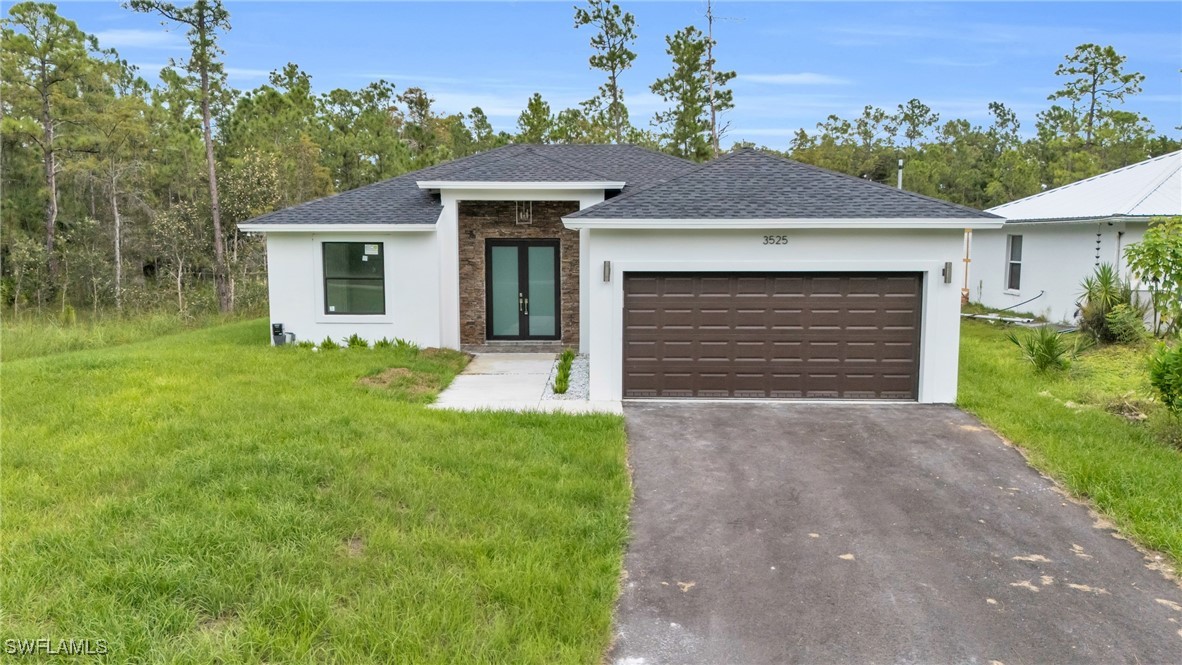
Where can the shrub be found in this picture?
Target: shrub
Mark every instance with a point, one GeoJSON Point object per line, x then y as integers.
{"type": "Point", "coordinates": [405, 346]}
{"type": "Point", "coordinates": [1165, 375]}
{"type": "Point", "coordinates": [356, 341]}
{"type": "Point", "coordinates": [1103, 292]}
{"type": "Point", "coordinates": [383, 343]}
{"type": "Point", "coordinates": [1045, 348]}
{"type": "Point", "coordinates": [306, 344]}
{"type": "Point", "coordinates": [329, 345]}
{"type": "Point", "coordinates": [1126, 324]}
{"type": "Point", "coordinates": [562, 377]}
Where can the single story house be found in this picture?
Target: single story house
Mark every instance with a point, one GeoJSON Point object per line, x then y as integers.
{"type": "Point", "coordinates": [1053, 240]}
{"type": "Point", "coordinates": [750, 276]}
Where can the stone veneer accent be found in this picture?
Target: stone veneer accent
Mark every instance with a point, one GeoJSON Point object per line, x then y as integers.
{"type": "Point", "coordinates": [481, 220]}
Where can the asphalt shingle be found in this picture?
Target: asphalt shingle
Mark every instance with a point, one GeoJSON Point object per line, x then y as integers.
{"type": "Point", "coordinates": [749, 184]}
{"type": "Point", "coordinates": [400, 200]}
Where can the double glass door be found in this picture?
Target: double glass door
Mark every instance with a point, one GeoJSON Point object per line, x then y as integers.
{"type": "Point", "coordinates": [521, 284]}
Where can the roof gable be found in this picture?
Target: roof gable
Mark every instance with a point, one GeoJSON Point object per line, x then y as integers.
{"type": "Point", "coordinates": [750, 185]}
{"type": "Point", "coordinates": [1149, 188]}
{"type": "Point", "coordinates": [399, 200]}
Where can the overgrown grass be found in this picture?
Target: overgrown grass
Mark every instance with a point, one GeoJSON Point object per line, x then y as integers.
{"type": "Point", "coordinates": [203, 497]}
{"type": "Point", "coordinates": [30, 336]}
{"type": "Point", "coordinates": [1065, 421]}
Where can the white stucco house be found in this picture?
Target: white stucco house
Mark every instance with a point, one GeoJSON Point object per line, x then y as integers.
{"type": "Point", "coordinates": [1051, 241]}
{"type": "Point", "coordinates": [750, 276]}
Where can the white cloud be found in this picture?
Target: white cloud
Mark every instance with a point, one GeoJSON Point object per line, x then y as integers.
{"type": "Point", "coordinates": [801, 78]}
{"type": "Point", "coordinates": [134, 38]}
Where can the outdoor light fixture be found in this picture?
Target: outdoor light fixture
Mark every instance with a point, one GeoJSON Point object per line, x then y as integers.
{"type": "Point", "coordinates": [947, 272]}
{"type": "Point", "coordinates": [607, 271]}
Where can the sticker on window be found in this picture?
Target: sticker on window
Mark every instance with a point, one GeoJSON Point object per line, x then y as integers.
{"type": "Point", "coordinates": [332, 308]}
{"type": "Point", "coordinates": [372, 249]}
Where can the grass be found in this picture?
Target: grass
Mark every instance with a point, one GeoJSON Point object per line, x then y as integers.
{"type": "Point", "coordinates": [34, 336]}
{"type": "Point", "coordinates": [203, 497]}
{"type": "Point", "coordinates": [562, 377]}
{"type": "Point", "coordinates": [1065, 422]}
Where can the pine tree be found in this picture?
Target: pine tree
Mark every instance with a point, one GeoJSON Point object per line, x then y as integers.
{"type": "Point", "coordinates": [697, 92]}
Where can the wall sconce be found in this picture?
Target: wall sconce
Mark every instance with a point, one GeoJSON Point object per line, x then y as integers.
{"type": "Point", "coordinates": [607, 271]}
{"type": "Point", "coordinates": [947, 272]}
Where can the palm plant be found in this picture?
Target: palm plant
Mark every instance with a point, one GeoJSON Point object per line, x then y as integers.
{"type": "Point", "coordinates": [1046, 348]}
{"type": "Point", "coordinates": [1103, 291]}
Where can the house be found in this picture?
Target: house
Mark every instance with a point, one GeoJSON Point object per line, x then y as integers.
{"type": "Point", "coordinates": [750, 276]}
{"type": "Point", "coordinates": [1053, 240]}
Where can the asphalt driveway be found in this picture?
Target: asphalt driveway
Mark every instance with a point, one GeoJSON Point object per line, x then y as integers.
{"type": "Point", "coordinates": [769, 533]}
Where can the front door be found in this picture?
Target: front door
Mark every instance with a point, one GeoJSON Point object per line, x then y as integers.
{"type": "Point", "coordinates": [521, 287]}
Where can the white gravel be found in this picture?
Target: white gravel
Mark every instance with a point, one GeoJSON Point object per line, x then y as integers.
{"type": "Point", "coordinates": [580, 374]}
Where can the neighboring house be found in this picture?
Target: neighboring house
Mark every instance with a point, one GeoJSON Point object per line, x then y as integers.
{"type": "Point", "coordinates": [748, 276]}
{"type": "Point", "coordinates": [1053, 240]}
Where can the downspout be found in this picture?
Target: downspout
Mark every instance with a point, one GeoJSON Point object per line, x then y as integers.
{"type": "Point", "coordinates": [968, 250]}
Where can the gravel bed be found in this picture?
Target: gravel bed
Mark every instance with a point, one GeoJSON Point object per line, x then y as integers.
{"type": "Point", "coordinates": [580, 374]}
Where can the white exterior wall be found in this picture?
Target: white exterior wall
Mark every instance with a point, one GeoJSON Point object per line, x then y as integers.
{"type": "Point", "coordinates": [836, 250]}
{"type": "Point", "coordinates": [295, 275]}
{"type": "Point", "coordinates": [1056, 257]}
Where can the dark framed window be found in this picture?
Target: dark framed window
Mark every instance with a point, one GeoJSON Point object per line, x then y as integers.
{"type": "Point", "coordinates": [354, 278]}
{"type": "Point", "coordinates": [1013, 262]}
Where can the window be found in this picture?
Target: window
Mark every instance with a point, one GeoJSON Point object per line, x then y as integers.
{"type": "Point", "coordinates": [354, 278]}
{"type": "Point", "coordinates": [1013, 262]}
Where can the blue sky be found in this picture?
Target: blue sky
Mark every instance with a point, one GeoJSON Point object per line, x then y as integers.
{"type": "Point", "coordinates": [797, 62]}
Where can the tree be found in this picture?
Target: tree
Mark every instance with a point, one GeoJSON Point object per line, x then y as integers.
{"type": "Point", "coordinates": [535, 122]}
{"type": "Point", "coordinates": [616, 32]}
{"type": "Point", "coordinates": [1157, 262]}
{"type": "Point", "coordinates": [203, 19]}
{"type": "Point", "coordinates": [119, 120]}
{"type": "Point", "coordinates": [916, 119]}
{"type": "Point", "coordinates": [43, 64]}
{"type": "Point", "coordinates": [698, 93]}
{"type": "Point", "coordinates": [1099, 81]}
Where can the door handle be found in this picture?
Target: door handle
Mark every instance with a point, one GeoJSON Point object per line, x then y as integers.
{"type": "Point", "coordinates": [527, 306]}
{"type": "Point", "coordinates": [520, 303]}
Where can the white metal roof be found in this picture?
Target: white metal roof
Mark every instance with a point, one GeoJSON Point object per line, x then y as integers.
{"type": "Point", "coordinates": [1146, 189]}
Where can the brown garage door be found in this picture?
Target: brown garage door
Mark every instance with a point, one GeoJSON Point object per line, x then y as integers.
{"type": "Point", "coordinates": [788, 335]}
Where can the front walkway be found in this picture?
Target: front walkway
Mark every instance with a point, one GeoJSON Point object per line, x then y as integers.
{"type": "Point", "coordinates": [512, 382]}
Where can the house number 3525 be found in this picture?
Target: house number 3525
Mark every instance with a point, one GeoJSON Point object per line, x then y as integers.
{"type": "Point", "coordinates": [775, 240]}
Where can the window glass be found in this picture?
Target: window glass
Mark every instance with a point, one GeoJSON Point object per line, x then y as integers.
{"type": "Point", "coordinates": [1014, 263]}
{"type": "Point", "coordinates": [354, 278]}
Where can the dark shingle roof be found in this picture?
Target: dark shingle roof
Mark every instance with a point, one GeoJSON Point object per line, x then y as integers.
{"type": "Point", "coordinates": [749, 184]}
{"type": "Point", "coordinates": [400, 201]}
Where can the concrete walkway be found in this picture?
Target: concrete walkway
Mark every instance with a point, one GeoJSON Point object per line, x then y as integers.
{"type": "Point", "coordinates": [511, 382]}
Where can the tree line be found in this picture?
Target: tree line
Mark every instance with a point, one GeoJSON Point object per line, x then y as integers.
{"type": "Point", "coordinates": [120, 195]}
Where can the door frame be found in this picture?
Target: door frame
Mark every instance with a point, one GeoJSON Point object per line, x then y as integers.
{"type": "Point", "coordinates": [522, 245]}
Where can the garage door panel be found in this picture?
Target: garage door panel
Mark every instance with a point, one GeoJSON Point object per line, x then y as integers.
{"type": "Point", "coordinates": [778, 335]}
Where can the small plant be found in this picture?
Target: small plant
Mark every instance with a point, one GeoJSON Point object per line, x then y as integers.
{"type": "Point", "coordinates": [1045, 348]}
{"type": "Point", "coordinates": [405, 346]}
{"type": "Point", "coordinates": [1126, 324]}
{"type": "Point", "coordinates": [383, 343]}
{"type": "Point", "coordinates": [1165, 375]}
{"type": "Point", "coordinates": [1103, 292]}
{"type": "Point", "coordinates": [69, 317]}
{"type": "Point", "coordinates": [306, 344]}
{"type": "Point", "coordinates": [328, 344]}
{"type": "Point", "coordinates": [562, 377]}
{"type": "Point", "coordinates": [356, 341]}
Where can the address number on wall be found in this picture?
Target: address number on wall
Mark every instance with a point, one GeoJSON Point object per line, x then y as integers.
{"type": "Point", "coordinates": [775, 240]}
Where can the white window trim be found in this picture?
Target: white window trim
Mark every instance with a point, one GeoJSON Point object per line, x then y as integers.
{"type": "Point", "coordinates": [321, 317]}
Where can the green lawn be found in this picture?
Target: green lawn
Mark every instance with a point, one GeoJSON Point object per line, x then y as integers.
{"type": "Point", "coordinates": [30, 336]}
{"type": "Point", "coordinates": [203, 497]}
{"type": "Point", "coordinates": [1065, 421]}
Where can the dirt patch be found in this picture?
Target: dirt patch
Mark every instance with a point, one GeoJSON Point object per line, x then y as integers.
{"type": "Point", "coordinates": [402, 381]}
{"type": "Point", "coordinates": [215, 625]}
{"type": "Point", "coordinates": [355, 546]}
{"type": "Point", "coordinates": [1130, 410]}
{"type": "Point", "coordinates": [386, 377]}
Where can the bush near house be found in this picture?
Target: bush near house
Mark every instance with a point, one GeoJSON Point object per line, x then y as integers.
{"type": "Point", "coordinates": [1092, 427]}
{"type": "Point", "coordinates": [204, 497]}
{"type": "Point", "coordinates": [1165, 374]}
{"type": "Point", "coordinates": [1107, 299]}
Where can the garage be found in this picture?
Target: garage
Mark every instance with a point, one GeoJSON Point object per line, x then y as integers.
{"type": "Point", "coordinates": [756, 277]}
{"type": "Point", "coordinates": [766, 335]}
